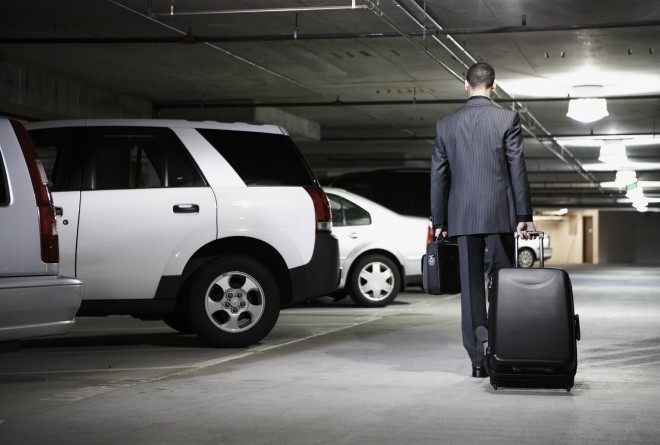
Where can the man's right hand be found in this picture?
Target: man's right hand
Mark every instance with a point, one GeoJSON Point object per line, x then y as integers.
{"type": "Point", "coordinates": [441, 232]}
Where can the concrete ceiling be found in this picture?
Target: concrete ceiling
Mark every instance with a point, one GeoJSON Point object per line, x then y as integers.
{"type": "Point", "coordinates": [359, 84]}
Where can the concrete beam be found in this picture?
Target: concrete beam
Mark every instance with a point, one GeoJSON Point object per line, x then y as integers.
{"type": "Point", "coordinates": [298, 127]}
{"type": "Point", "coordinates": [33, 94]}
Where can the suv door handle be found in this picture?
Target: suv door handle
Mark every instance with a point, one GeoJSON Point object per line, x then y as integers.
{"type": "Point", "coordinates": [186, 208]}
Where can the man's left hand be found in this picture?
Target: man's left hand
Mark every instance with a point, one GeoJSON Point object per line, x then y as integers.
{"type": "Point", "coordinates": [524, 228]}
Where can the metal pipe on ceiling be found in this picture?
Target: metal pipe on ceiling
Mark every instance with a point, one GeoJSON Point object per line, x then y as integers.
{"type": "Point", "coordinates": [385, 18]}
{"type": "Point", "coordinates": [366, 103]}
{"type": "Point", "coordinates": [198, 38]}
{"type": "Point", "coordinates": [175, 13]}
{"type": "Point", "coordinates": [247, 38]}
{"type": "Point", "coordinates": [435, 34]}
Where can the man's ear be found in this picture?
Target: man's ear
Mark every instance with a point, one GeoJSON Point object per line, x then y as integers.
{"type": "Point", "coordinates": [494, 85]}
{"type": "Point", "coordinates": [467, 86]}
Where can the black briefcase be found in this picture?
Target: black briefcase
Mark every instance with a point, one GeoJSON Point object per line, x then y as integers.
{"type": "Point", "coordinates": [440, 268]}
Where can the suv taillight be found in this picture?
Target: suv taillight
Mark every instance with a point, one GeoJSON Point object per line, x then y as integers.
{"type": "Point", "coordinates": [321, 208]}
{"type": "Point", "coordinates": [50, 252]}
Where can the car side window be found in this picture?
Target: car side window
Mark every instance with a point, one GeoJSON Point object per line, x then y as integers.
{"type": "Point", "coordinates": [347, 213]}
{"type": "Point", "coordinates": [121, 164]}
{"type": "Point", "coordinates": [138, 158]}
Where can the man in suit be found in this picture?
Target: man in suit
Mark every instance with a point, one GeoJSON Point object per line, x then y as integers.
{"type": "Point", "coordinates": [480, 195]}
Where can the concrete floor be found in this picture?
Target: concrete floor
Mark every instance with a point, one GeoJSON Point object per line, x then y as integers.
{"type": "Point", "coordinates": [333, 373]}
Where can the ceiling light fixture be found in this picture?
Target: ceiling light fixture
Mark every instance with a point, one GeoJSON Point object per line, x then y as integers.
{"type": "Point", "coordinates": [613, 152]}
{"type": "Point", "coordinates": [586, 107]}
{"type": "Point", "coordinates": [625, 177]}
{"type": "Point", "coordinates": [587, 110]}
{"type": "Point", "coordinates": [636, 194]}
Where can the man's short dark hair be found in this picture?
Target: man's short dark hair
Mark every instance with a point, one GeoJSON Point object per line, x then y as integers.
{"type": "Point", "coordinates": [481, 74]}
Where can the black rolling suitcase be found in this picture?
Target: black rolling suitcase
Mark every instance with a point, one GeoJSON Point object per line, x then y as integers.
{"type": "Point", "coordinates": [440, 268]}
{"type": "Point", "coordinates": [532, 328]}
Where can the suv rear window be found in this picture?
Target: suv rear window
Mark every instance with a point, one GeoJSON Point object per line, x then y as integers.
{"type": "Point", "coordinates": [261, 158]}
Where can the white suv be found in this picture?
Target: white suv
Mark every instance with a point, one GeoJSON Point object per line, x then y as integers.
{"type": "Point", "coordinates": [34, 299]}
{"type": "Point", "coordinates": [211, 227]}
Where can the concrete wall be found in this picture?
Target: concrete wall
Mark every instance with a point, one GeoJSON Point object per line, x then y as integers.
{"type": "Point", "coordinates": [567, 234]}
{"type": "Point", "coordinates": [629, 238]}
{"type": "Point", "coordinates": [619, 237]}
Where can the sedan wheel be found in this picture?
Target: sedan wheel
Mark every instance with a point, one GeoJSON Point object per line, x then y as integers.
{"type": "Point", "coordinates": [234, 302]}
{"type": "Point", "coordinates": [525, 258]}
{"type": "Point", "coordinates": [374, 281]}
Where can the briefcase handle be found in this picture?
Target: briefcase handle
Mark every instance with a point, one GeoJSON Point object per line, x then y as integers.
{"type": "Point", "coordinates": [445, 240]}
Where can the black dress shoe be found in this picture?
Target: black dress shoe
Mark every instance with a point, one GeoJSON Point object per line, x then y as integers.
{"type": "Point", "coordinates": [479, 372]}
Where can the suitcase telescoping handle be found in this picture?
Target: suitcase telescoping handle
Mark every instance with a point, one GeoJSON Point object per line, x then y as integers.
{"type": "Point", "coordinates": [533, 234]}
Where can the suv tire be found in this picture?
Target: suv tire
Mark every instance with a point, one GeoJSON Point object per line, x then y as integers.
{"type": "Point", "coordinates": [179, 322]}
{"type": "Point", "coordinates": [374, 281]}
{"type": "Point", "coordinates": [233, 302]}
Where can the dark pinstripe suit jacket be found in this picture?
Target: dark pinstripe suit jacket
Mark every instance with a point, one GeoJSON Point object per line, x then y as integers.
{"type": "Point", "coordinates": [478, 177]}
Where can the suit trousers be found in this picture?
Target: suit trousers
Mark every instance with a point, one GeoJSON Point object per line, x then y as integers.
{"type": "Point", "coordinates": [471, 252]}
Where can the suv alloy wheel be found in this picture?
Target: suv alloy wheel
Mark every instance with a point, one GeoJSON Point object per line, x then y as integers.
{"type": "Point", "coordinates": [231, 295]}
